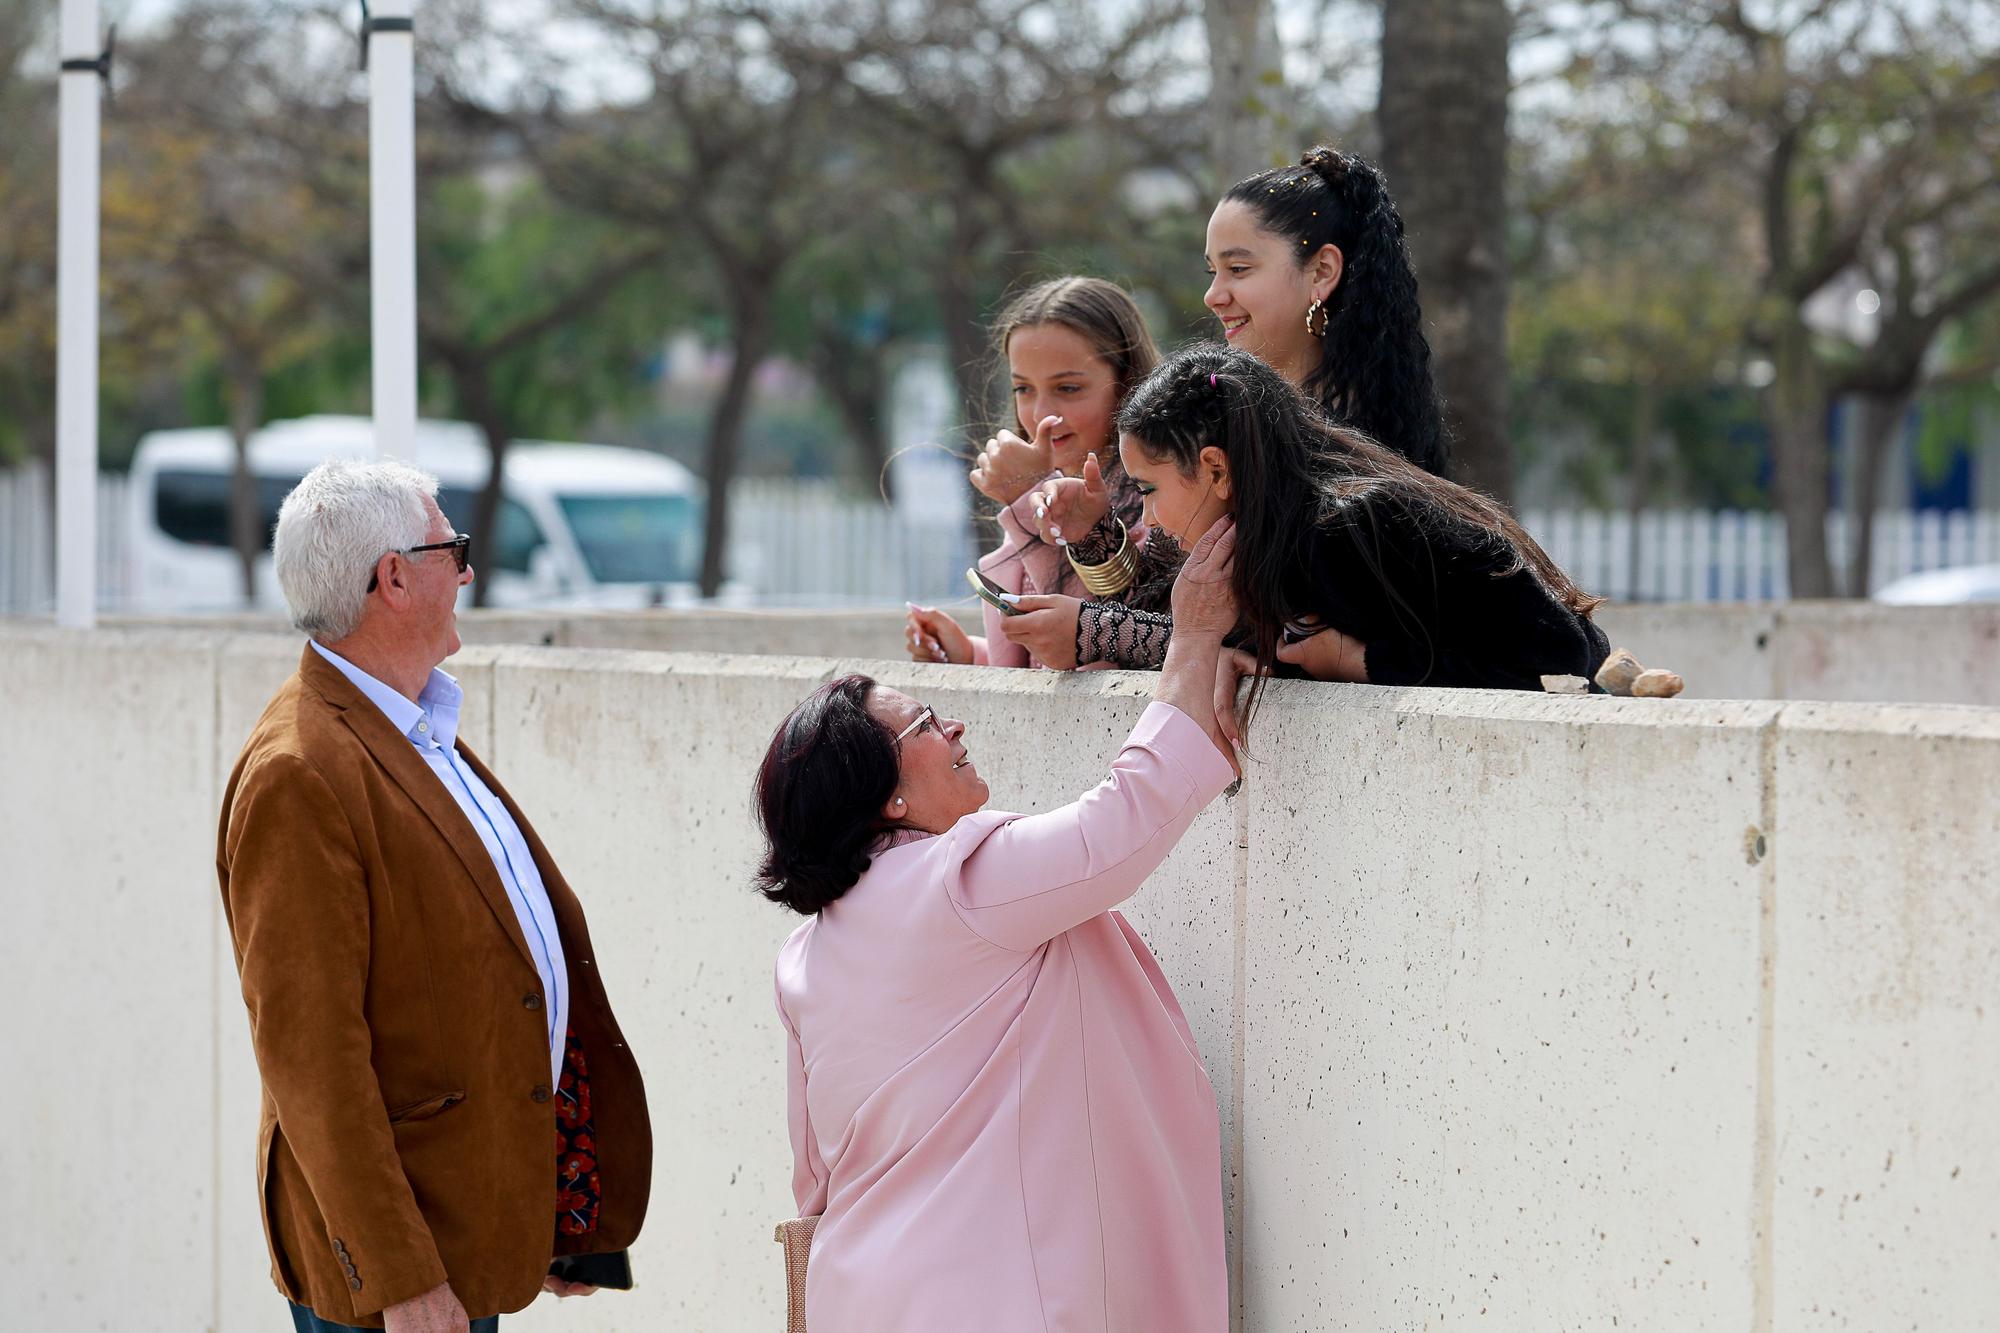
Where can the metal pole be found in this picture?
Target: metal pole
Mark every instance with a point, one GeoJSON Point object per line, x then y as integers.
{"type": "Point", "coordinates": [76, 324]}
{"type": "Point", "coordinates": [392, 212]}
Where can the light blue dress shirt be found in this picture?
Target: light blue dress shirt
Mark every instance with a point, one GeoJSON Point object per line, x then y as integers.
{"type": "Point", "coordinates": [431, 724]}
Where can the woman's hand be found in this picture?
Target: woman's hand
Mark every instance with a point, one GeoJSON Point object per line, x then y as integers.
{"type": "Point", "coordinates": [1328, 655]}
{"type": "Point", "coordinates": [1067, 508]}
{"type": "Point", "coordinates": [1009, 466]}
{"type": "Point", "coordinates": [1046, 627]}
{"type": "Point", "coordinates": [1230, 669]}
{"type": "Point", "coordinates": [933, 636]}
{"type": "Point", "coordinates": [1204, 597]}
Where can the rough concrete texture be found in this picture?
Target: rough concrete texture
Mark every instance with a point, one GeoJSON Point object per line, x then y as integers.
{"type": "Point", "coordinates": [1501, 1012]}
{"type": "Point", "coordinates": [108, 1149]}
{"type": "Point", "coordinates": [1887, 1108]}
{"type": "Point", "coordinates": [1842, 651]}
{"type": "Point", "coordinates": [1530, 1012]}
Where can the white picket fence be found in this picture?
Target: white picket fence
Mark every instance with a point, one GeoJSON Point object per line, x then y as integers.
{"type": "Point", "coordinates": [812, 544]}
{"type": "Point", "coordinates": [27, 541]}
{"type": "Point", "coordinates": [1738, 556]}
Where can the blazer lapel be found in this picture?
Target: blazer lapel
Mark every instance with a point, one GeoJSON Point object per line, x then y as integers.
{"type": "Point", "coordinates": [568, 912]}
{"type": "Point", "coordinates": [400, 760]}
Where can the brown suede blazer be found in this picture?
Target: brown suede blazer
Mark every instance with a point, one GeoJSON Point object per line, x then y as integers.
{"type": "Point", "coordinates": [408, 1133]}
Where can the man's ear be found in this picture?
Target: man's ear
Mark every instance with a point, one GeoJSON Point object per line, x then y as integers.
{"type": "Point", "coordinates": [1214, 468]}
{"type": "Point", "coordinates": [392, 577]}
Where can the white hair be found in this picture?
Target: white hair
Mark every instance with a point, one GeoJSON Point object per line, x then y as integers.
{"type": "Point", "coordinates": [338, 521]}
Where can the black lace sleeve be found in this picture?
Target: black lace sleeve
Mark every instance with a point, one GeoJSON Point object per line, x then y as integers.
{"type": "Point", "coordinates": [1122, 635]}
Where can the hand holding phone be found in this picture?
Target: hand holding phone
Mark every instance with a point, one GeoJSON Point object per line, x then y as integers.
{"type": "Point", "coordinates": [991, 593]}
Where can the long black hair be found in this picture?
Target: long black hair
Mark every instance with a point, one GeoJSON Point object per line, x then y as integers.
{"type": "Point", "coordinates": [1375, 364]}
{"type": "Point", "coordinates": [1292, 473]}
{"type": "Point", "coordinates": [829, 770]}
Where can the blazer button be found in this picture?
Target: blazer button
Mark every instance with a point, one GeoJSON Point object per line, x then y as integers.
{"type": "Point", "coordinates": [531, 1001]}
{"type": "Point", "coordinates": [354, 1284]}
{"type": "Point", "coordinates": [540, 1094]}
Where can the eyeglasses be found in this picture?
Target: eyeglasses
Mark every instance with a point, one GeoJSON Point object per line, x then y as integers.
{"type": "Point", "coordinates": [459, 546]}
{"type": "Point", "coordinates": [927, 718]}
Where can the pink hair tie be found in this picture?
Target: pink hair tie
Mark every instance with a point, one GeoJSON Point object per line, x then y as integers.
{"type": "Point", "coordinates": [1211, 381]}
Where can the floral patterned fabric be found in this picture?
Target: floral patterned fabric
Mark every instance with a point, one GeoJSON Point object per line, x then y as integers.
{"type": "Point", "coordinates": [577, 1193]}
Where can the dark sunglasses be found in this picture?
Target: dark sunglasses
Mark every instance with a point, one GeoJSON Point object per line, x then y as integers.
{"type": "Point", "coordinates": [459, 546]}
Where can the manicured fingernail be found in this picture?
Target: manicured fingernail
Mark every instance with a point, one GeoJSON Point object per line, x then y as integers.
{"type": "Point", "coordinates": [1010, 597]}
{"type": "Point", "coordinates": [940, 655]}
{"type": "Point", "coordinates": [1057, 531]}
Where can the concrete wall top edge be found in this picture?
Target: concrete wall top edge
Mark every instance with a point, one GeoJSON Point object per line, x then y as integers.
{"type": "Point", "coordinates": [1283, 698]}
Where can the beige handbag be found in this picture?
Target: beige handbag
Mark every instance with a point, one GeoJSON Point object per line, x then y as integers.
{"type": "Point", "coordinates": [797, 1238]}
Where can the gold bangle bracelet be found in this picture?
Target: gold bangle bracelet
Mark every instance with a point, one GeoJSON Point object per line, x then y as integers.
{"type": "Point", "coordinates": [1113, 576]}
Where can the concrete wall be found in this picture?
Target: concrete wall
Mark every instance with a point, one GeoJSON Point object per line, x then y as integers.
{"type": "Point", "coordinates": [1852, 651]}
{"type": "Point", "coordinates": [1855, 651]}
{"type": "Point", "coordinates": [1525, 1011]}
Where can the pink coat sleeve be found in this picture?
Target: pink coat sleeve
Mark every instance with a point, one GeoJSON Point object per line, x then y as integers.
{"type": "Point", "coordinates": [809, 1174]}
{"type": "Point", "coordinates": [1030, 879]}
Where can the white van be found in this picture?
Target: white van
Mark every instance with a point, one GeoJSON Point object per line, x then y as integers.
{"type": "Point", "coordinates": [580, 524]}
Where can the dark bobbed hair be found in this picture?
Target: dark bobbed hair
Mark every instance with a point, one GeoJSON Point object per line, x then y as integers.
{"type": "Point", "coordinates": [830, 768]}
{"type": "Point", "coordinates": [1293, 472]}
{"type": "Point", "coordinates": [1375, 364]}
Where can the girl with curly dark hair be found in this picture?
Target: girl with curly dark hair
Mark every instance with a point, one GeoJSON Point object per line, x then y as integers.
{"type": "Point", "coordinates": [1311, 275]}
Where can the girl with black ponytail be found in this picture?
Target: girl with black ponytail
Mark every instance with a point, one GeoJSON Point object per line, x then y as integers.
{"type": "Point", "coordinates": [1311, 276]}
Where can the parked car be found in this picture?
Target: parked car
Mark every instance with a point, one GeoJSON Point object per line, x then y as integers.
{"type": "Point", "coordinates": [579, 525]}
{"type": "Point", "coordinates": [1944, 587]}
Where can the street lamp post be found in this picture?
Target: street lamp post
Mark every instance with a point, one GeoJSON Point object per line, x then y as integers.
{"type": "Point", "coordinates": [76, 319]}
{"type": "Point", "coordinates": [392, 217]}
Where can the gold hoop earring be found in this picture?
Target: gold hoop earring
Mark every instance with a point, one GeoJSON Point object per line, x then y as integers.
{"type": "Point", "coordinates": [1316, 318]}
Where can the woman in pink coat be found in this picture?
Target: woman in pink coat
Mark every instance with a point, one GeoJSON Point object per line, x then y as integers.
{"type": "Point", "coordinates": [997, 1110]}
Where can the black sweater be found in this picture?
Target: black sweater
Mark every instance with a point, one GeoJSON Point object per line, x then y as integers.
{"type": "Point", "coordinates": [1456, 618]}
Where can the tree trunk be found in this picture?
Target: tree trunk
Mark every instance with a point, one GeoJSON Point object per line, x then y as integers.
{"type": "Point", "coordinates": [749, 336]}
{"type": "Point", "coordinates": [1879, 424]}
{"type": "Point", "coordinates": [1444, 149]}
{"type": "Point", "coordinates": [965, 344]}
{"type": "Point", "coordinates": [475, 391]}
{"type": "Point", "coordinates": [965, 336]}
{"type": "Point", "coordinates": [1645, 429]}
{"type": "Point", "coordinates": [245, 381]}
{"type": "Point", "coordinates": [1795, 409]}
{"type": "Point", "coordinates": [1246, 90]}
{"type": "Point", "coordinates": [855, 376]}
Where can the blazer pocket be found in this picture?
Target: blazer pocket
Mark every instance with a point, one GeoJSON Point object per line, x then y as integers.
{"type": "Point", "coordinates": [425, 1109]}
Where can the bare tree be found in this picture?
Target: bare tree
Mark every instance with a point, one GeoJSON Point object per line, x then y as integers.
{"type": "Point", "coordinates": [968, 88]}
{"type": "Point", "coordinates": [725, 152]}
{"type": "Point", "coordinates": [194, 218]}
{"type": "Point", "coordinates": [1444, 149]}
{"type": "Point", "coordinates": [1857, 128]}
{"type": "Point", "coordinates": [1249, 121]}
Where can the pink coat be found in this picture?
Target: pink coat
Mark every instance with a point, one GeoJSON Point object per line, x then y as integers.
{"type": "Point", "coordinates": [995, 1102]}
{"type": "Point", "coordinates": [1023, 563]}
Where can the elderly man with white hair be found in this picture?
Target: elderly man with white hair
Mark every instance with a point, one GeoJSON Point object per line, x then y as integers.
{"type": "Point", "coordinates": [452, 1121]}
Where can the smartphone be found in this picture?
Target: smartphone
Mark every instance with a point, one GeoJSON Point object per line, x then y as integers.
{"type": "Point", "coordinates": [611, 1271]}
{"type": "Point", "coordinates": [989, 592]}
